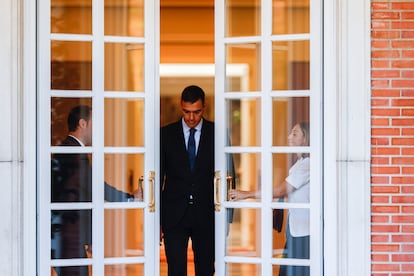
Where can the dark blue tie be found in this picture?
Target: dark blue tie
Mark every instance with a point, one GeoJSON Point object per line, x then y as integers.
{"type": "Point", "coordinates": [191, 148]}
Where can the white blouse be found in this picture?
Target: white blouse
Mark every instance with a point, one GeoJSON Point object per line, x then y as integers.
{"type": "Point", "coordinates": [299, 179]}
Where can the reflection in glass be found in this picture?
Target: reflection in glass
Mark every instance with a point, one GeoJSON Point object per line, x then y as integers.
{"type": "Point", "coordinates": [71, 179]}
{"type": "Point", "coordinates": [283, 244]}
{"type": "Point", "coordinates": [71, 270]}
{"type": "Point", "coordinates": [249, 56]}
{"type": "Point", "coordinates": [286, 113]}
{"type": "Point", "coordinates": [124, 233]}
{"type": "Point", "coordinates": [243, 237]}
{"type": "Point", "coordinates": [124, 269]}
{"type": "Point", "coordinates": [71, 65]}
{"type": "Point", "coordinates": [279, 231]}
{"type": "Point", "coordinates": [291, 270]}
{"type": "Point", "coordinates": [243, 18]}
{"type": "Point", "coordinates": [70, 18]}
{"type": "Point", "coordinates": [244, 122]}
{"type": "Point", "coordinates": [293, 171]}
{"type": "Point", "coordinates": [71, 234]}
{"type": "Point", "coordinates": [290, 65]}
{"type": "Point", "coordinates": [124, 18]}
{"type": "Point", "coordinates": [243, 269]}
{"type": "Point", "coordinates": [290, 17]}
{"type": "Point", "coordinates": [71, 173]}
{"type": "Point", "coordinates": [124, 122]}
{"type": "Point", "coordinates": [124, 67]}
{"type": "Point", "coordinates": [60, 108]}
{"type": "Point", "coordinates": [71, 176]}
{"type": "Point", "coordinates": [124, 171]}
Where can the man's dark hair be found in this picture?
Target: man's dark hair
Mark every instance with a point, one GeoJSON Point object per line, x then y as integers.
{"type": "Point", "coordinates": [193, 93]}
{"type": "Point", "coordinates": [77, 113]}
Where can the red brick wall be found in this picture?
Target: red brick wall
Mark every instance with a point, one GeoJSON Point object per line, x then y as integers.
{"type": "Point", "coordinates": [392, 34]}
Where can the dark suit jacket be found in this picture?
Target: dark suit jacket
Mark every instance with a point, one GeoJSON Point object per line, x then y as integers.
{"type": "Point", "coordinates": [180, 182]}
{"type": "Point", "coordinates": [72, 178]}
{"type": "Point", "coordinates": [71, 181]}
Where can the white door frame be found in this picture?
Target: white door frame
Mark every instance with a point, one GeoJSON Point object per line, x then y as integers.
{"type": "Point", "coordinates": [347, 167]}
{"type": "Point", "coordinates": [347, 129]}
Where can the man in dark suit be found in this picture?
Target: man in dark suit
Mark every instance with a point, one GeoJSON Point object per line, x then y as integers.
{"type": "Point", "coordinates": [72, 182]}
{"type": "Point", "coordinates": [187, 204]}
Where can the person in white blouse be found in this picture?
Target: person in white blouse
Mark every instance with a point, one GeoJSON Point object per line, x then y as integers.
{"type": "Point", "coordinates": [296, 188]}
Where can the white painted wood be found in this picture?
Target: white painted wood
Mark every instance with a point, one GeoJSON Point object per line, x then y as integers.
{"type": "Point", "coordinates": [347, 138]}
{"type": "Point", "coordinates": [220, 69]}
{"type": "Point", "coordinates": [8, 81]}
{"type": "Point", "coordinates": [18, 225]}
{"type": "Point", "coordinates": [8, 239]}
{"type": "Point", "coordinates": [28, 81]}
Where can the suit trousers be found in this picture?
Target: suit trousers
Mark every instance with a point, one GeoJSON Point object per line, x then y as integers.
{"type": "Point", "coordinates": [176, 244]}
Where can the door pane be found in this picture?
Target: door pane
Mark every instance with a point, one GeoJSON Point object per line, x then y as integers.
{"type": "Point", "coordinates": [241, 269]}
{"type": "Point", "coordinates": [71, 233]}
{"type": "Point", "coordinates": [244, 122]}
{"type": "Point", "coordinates": [124, 269]}
{"type": "Point", "coordinates": [247, 170]}
{"type": "Point", "coordinates": [124, 18]}
{"type": "Point", "coordinates": [244, 233]}
{"type": "Point", "coordinates": [283, 244]}
{"type": "Point", "coordinates": [71, 65]}
{"type": "Point", "coordinates": [124, 122]}
{"type": "Point", "coordinates": [291, 270]}
{"type": "Point", "coordinates": [249, 56]}
{"type": "Point", "coordinates": [290, 65]}
{"type": "Point", "coordinates": [71, 270]}
{"type": "Point", "coordinates": [124, 67]}
{"type": "Point", "coordinates": [286, 113]}
{"type": "Point", "coordinates": [123, 172]}
{"type": "Point", "coordinates": [243, 17]}
{"type": "Point", "coordinates": [71, 177]}
{"type": "Point", "coordinates": [71, 17]}
{"type": "Point", "coordinates": [291, 17]}
{"type": "Point", "coordinates": [60, 108]}
{"type": "Point", "coordinates": [124, 233]}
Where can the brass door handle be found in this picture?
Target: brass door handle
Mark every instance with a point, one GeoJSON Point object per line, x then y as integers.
{"type": "Point", "coordinates": [217, 180]}
{"type": "Point", "coordinates": [140, 188]}
{"type": "Point", "coordinates": [229, 180]}
{"type": "Point", "coordinates": [151, 182]}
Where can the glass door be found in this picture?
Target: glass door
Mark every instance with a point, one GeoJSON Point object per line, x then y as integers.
{"type": "Point", "coordinates": [98, 136]}
{"type": "Point", "coordinates": [268, 143]}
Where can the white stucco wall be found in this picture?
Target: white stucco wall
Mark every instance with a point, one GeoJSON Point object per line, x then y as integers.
{"type": "Point", "coordinates": [17, 143]}
{"type": "Point", "coordinates": [9, 159]}
{"type": "Point", "coordinates": [347, 138]}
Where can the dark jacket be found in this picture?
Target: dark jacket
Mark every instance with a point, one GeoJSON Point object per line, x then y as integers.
{"type": "Point", "coordinates": [71, 182]}
{"type": "Point", "coordinates": [179, 182]}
